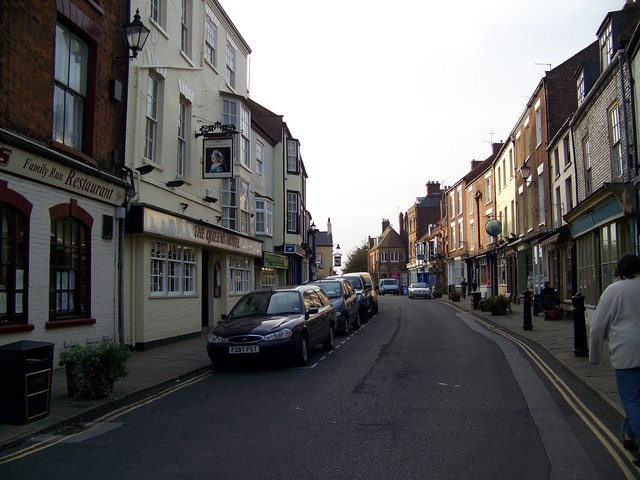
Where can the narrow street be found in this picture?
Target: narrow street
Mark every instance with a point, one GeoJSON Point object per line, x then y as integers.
{"type": "Point", "coordinates": [420, 391]}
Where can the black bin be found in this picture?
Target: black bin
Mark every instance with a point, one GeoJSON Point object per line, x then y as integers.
{"type": "Point", "coordinates": [476, 297]}
{"type": "Point", "coordinates": [25, 381]}
{"type": "Point", "coordinates": [537, 303]}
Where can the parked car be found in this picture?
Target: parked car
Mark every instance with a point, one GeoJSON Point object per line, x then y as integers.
{"type": "Point", "coordinates": [280, 323]}
{"type": "Point", "coordinates": [363, 294]}
{"type": "Point", "coordinates": [389, 285]}
{"type": "Point", "coordinates": [419, 290]}
{"type": "Point", "coordinates": [342, 295]}
{"type": "Point", "coordinates": [373, 288]}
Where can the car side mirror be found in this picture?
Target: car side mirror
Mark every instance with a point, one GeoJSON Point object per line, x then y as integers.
{"type": "Point", "coordinates": [223, 316]}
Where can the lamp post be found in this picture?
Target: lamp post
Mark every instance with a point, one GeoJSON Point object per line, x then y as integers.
{"type": "Point", "coordinates": [137, 34]}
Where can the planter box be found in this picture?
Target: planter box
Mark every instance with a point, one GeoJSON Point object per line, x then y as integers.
{"type": "Point", "coordinates": [95, 389]}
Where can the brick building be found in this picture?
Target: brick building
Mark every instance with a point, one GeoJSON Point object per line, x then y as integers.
{"type": "Point", "coordinates": [388, 254]}
{"type": "Point", "coordinates": [420, 220]}
{"type": "Point", "coordinates": [61, 183]}
{"type": "Point", "coordinates": [603, 223]}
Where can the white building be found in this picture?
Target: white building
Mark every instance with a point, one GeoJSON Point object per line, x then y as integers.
{"type": "Point", "coordinates": [197, 239]}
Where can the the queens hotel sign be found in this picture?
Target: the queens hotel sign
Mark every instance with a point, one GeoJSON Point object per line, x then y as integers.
{"type": "Point", "coordinates": [167, 225]}
{"type": "Point", "coordinates": [40, 169]}
{"type": "Point", "coordinates": [215, 237]}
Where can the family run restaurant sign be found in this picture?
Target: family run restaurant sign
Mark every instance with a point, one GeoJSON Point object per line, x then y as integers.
{"type": "Point", "coordinates": [40, 169]}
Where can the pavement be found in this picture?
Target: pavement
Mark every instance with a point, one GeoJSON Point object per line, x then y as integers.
{"type": "Point", "coordinates": [175, 362]}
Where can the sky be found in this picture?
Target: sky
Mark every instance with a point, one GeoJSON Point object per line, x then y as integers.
{"type": "Point", "coordinates": [387, 96]}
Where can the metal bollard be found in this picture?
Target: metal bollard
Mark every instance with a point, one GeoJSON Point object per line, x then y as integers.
{"type": "Point", "coordinates": [526, 320]}
{"type": "Point", "coordinates": [580, 348]}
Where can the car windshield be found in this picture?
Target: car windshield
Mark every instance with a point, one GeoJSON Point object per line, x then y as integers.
{"type": "Point", "coordinates": [284, 303]}
{"type": "Point", "coordinates": [332, 289]}
{"type": "Point", "coordinates": [355, 281]}
{"type": "Point", "coordinates": [419, 285]}
{"type": "Point", "coordinates": [389, 282]}
{"type": "Point", "coordinates": [266, 303]}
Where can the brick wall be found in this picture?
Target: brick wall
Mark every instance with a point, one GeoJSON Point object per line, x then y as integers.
{"type": "Point", "coordinates": [27, 29]}
{"type": "Point", "coordinates": [593, 121]}
{"type": "Point", "coordinates": [103, 269]}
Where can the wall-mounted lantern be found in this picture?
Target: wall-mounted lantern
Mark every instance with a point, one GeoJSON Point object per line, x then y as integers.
{"type": "Point", "coordinates": [137, 34]}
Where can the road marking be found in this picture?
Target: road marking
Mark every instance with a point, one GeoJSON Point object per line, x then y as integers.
{"type": "Point", "coordinates": [50, 441]}
{"type": "Point", "coordinates": [47, 441]}
{"type": "Point", "coordinates": [607, 438]}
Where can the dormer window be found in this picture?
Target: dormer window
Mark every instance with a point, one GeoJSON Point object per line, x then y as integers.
{"type": "Point", "coordinates": [581, 87]}
{"type": "Point", "coordinates": [606, 47]}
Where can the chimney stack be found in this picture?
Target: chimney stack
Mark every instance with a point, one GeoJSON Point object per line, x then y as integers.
{"type": "Point", "coordinates": [433, 188]}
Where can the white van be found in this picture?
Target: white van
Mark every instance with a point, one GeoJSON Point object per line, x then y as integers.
{"type": "Point", "coordinates": [389, 285]}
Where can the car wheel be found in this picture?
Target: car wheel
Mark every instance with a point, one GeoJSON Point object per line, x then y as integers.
{"type": "Point", "coordinates": [301, 357]}
{"type": "Point", "coordinates": [330, 341]}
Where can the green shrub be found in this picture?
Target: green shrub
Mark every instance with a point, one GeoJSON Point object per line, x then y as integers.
{"type": "Point", "coordinates": [438, 292]}
{"type": "Point", "coordinates": [92, 369]}
{"type": "Point", "coordinates": [497, 304]}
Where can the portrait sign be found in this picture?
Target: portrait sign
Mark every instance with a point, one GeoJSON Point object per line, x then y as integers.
{"type": "Point", "coordinates": [218, 157]}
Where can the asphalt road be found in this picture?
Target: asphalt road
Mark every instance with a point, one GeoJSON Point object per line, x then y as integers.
{"type": "Point", "coordinates": [419, 392]}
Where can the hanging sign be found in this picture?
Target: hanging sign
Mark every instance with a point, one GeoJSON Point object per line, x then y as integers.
{"type": "Point", "coordinates": [218, 157]}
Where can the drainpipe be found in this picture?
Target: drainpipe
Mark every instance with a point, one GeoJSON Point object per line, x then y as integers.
{"type": "Point", "coordinates": [120, 216]}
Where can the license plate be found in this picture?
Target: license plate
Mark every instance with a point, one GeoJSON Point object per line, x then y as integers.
{"type": "Point", "coordinates": [245, 349]}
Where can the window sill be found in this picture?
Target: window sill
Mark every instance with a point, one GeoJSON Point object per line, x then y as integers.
{"type": "Point", "coordinates": [187, 57]}
{"type": "Point", "coordinates": [78, 322]}
{"type": "Point", "coordinates": [23, 327]}
{"type": "Point", "coordinates": [213, 67]}
{"type": "Point", "coordinates": [160, 28]}
{"type": "Point", "coordinates": [74, 153]}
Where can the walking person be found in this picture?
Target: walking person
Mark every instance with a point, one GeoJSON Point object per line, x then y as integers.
{"type": "Point", "coordinates": [616, 318]}
{"type": "Point", "coordinates": [463, 287]}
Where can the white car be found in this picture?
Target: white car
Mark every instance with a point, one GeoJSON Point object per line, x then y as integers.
{"type": "Point", "coordinates": [419, 290]}
{"type": "Point", "coordinates": [389, 285]}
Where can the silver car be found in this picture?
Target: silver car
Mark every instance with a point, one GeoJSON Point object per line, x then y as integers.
{"type": "Point", "coordinates": [419, 290]}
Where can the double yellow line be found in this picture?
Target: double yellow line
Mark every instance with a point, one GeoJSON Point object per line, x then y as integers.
{"type": "Point", "coordinates": [606, 437]}
{"type": "Point", "coordinates": [109, 417]}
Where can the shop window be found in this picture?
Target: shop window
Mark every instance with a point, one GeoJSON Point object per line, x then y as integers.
{"type": "Point", "coordinates": [267, 278]}
{"type": "Point", "coordinates": [14, 240]}
{"type": "Point", "coordinates": [70, 277]}
{"type": "Point", "coordinates": [587, 262]}
{"type": "Point", "coordinates": [239, 275]}
{"type": "Point", "coordinates": [502, 271]}
{"type": "Point", "coordinates": [173, 269]}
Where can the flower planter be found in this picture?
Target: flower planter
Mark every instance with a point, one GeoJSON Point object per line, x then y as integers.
{"type": "Point", "coordinates": [91, 370]}
{"type": "Point", "coordinates": [93, 386]}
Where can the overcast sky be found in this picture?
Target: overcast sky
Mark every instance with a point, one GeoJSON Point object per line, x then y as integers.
{"type": "Point", "coordinates": [386, 96]}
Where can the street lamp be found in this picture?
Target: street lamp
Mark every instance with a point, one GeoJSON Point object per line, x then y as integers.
{"type": "Point", "coordinates": [137, 34]}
